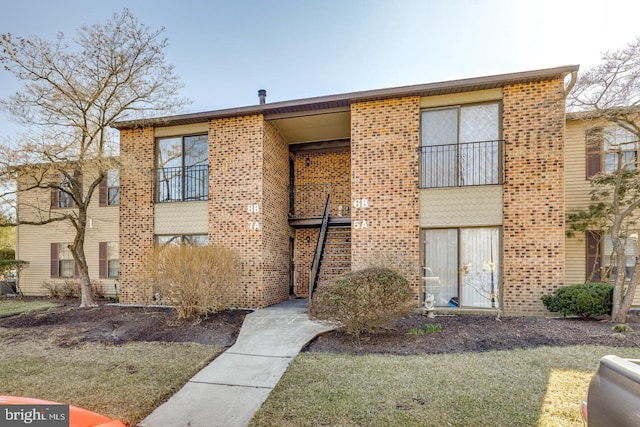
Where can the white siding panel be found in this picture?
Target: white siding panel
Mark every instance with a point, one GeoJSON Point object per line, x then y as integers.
{"type": "Point", "coordinates": [461, 206]}
{"type": "Point", "coordinates": [461, 98]}
{"type": "Point", "coordinates": [181, 218]}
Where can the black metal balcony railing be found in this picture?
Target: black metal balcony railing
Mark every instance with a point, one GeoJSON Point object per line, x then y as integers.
{"type": "Point", "coordinates": [465, 164]}
{"type": "Point", "coordinates": [179, 184]}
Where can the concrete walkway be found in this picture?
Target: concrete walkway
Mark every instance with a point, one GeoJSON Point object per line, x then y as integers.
{"type": "Point", "coordinates": [232, 388]}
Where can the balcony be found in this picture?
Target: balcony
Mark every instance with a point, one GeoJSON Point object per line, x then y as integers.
{"type": "Point", "coordinates": [178, 184]}
{"type": "Point", "coordinates": [464, 164]}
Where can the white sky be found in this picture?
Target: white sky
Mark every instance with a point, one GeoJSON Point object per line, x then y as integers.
{"type": "Point", "coordinates": [224, 51]}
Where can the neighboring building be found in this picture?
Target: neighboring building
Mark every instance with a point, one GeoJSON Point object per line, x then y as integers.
{"type": "Point", "coordinates": [464, 179]}
{"type": "Point", "coordinates": [45, 247]}
{"type": "Point", "coordinates": [590, 147]}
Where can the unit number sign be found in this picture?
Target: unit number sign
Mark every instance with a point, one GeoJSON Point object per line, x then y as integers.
{"type": "Point", "coordinates": [254, 209]}
{"type": "Point", "coordinates": [360, 224]}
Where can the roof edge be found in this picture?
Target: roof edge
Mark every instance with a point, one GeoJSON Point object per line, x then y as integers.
{"type": "Point", "coordinates": [345, 99]}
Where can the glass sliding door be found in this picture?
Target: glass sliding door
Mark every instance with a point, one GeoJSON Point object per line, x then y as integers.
{"type": "Point", "coordinates": [479, 267]}
{"type": "Point", "coordinates": [441, 264]}
{"type": "Point", "coordinates": [462, 263]}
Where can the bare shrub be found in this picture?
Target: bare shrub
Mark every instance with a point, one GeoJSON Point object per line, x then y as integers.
{"type": "Point", "coordinates": [70, 289]}
{"type": "Point", "coordinates": [196, 280]}
{"type": "Point", "coordinates": [363, 301]}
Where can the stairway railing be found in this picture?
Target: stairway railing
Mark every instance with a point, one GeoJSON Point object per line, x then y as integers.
{"type": "Point", "coordinates": [322, 237]}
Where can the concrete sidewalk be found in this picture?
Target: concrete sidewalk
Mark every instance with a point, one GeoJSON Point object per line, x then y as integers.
{"type": "Point", "coordinates": [232, 388]}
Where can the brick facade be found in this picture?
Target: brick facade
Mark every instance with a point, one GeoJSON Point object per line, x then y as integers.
{"type": "Point", "coordinates": [235, 182]}
{"type": "Point", "coordinates": [275, 227]}
{"type": "Point", "coordinates": [313, 171]}
{"type": "Point", "coordinates": [385, 136]}
{"type": "Point", "coordinates": [136, 212]}
{"type": "Point", "coordinates": [249, 174]}
{"type": "Point", "coordinates": [533, 210]}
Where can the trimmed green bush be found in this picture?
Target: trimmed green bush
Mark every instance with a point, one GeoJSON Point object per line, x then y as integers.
{"type": "Point", "coordinates": [363, 301]}
{"type": "Point", "coordinates": [586, 300]}
{"type": "Point", "coordinates": [7, 254]}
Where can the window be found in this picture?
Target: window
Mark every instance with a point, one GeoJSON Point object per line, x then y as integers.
{"type": "Point", "coordinates": [109, 189]}
{"type": "Point", "coordinates": [460, 146]}
{"type": "Point", "coordinates": [609, 142]}
{"type": "Point", "coordinates": [113, 187]}
{"type": "Point", "coordinates": [62, 263]}
{"type": "Point", "coordinates": [182, 168]}
{"type": "Point", "coordinates": [599, 251]}
{"type": "Point", "coordinates": [461, 266]}
{"type": "Point", "coordinates": [61, 197]}
{"type": "Point", "coordinates": [109, 254]}
{"type": "Point", "coordinates": [190, 239]}
{"type": "Point", "coordinates": [619, 140]}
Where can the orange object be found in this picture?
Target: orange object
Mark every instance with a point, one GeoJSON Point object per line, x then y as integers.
{"type": "Point", "coordinates": [78, 417]}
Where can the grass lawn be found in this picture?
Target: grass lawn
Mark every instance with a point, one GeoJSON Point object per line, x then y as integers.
{"type": "Point", "coordinates": [538, 387]}
{"type": "Point", "coordinates": [120, 381]}
{"type": "Point", "coordinates": [11, 306]}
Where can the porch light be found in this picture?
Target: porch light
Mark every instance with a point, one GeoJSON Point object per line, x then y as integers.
{"type": "Point", "coordinates": [307, 162]}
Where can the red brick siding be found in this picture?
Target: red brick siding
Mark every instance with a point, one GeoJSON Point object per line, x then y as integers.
{"type": "Point", "coordinates": [303, 257]}
{"type": "Point", "coordinates": [323, 168]}
{"type": "Point", "coordinates": [275, 226]}
{"type": "Point", "coordinates": [533, 227]}
{"type": "Point", "coordinates": [385, 136]}
{"type": "Point", "coordinates": [235, 182]}
{"type": "Point", "coordinates": [136, 212]}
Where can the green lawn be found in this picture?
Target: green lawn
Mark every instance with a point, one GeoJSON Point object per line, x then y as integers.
{"type": "Point", "coordinates": [539, 387]}
{"type": "Point", "coordinates": [120, 381]}
{"type": "Point", "coordinates": [11, 306]}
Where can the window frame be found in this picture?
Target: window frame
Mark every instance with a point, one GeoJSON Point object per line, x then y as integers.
{"type": "Point", "coordinates": [62, 249]}
{"type": "Point", "coordinates": [113, 199]}
{"type": "Point", "coordinates": [179, 239]}
{"type": "Point", "coordinates": [499, 173]}
{"type": "Point", "coordinates": [497, 267]}
{"type": "Point", "coordinates": [183, 169]}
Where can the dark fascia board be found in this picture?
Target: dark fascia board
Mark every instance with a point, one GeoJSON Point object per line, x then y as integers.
{"type": "Point", "coordinates": [299, 106]}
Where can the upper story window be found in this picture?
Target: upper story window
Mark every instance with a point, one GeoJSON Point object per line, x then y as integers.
{"type": "Point", "coordinates": [460, 146]}
{"type": "Point", "coordinates": [113, 187]}
{"type": "Point", "coordinates": [110, 188]}
{"type": "Point", "coordinates": [61, 197]}
{"type": "Point", "coordinates": [617, 139]}
{"type": "Point", "coordinates": [182, 168]}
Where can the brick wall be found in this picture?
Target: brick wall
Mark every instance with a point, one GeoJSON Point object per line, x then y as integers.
{"type": "Point", "coordinates": [385, 136]}
{"type": "Point", "coordinates": [311, 180]}
{"type": "Point", "coordinates": [303, 258]}
{"type": "Point", "coordinates": [235, 182]}
{"type": "Point", "coordinates": [533, 226]}
{"type": "Point", "coordinates": [136, 212]}
{"type": "Point", "coordinates": [275, 227]}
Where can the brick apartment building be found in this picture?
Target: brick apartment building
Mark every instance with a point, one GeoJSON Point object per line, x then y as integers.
{"type": "Point", "coordinates": [465, 179]}
{"type": "Point", "coordinates": [467, 182]}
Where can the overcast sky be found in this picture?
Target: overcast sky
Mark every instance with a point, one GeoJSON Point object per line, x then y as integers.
{"type": "Point", "coordinates": [224, 51]}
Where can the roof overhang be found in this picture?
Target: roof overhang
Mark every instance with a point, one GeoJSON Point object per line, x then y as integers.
{"type": "Point", "coordinates": [342, 102]}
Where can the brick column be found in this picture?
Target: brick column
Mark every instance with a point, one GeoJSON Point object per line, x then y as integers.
{"type": "Point", "coordinates": [533, 227]}
{"type": "Point", "coordinates": [385, 136]}
{"type": "Point", "coordinates": [235, 182]}
{"type": "Point", "coordinates": [136, 212]}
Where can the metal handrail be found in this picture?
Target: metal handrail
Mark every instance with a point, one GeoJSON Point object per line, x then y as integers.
{"type": "Point", "coordinates": [322, 237]}
{"type": "Point", "coordinates": [461, 164]}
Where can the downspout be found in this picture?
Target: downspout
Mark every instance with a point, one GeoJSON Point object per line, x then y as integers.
{"type": "Point", "coordinates": [572, 83]}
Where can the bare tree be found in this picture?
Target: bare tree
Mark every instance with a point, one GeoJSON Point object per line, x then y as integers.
{"type": "Point", "coordinates": [609, 95]}
{"type": "Point", "coordinates": [72, 93]}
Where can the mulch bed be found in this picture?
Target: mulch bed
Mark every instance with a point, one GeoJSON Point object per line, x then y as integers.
{"type": "Point", "coordinates": [114, 324]}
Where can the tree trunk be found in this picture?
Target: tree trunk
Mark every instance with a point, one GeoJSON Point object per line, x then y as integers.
{"type": "Point", "coordinates": [77, 249]}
